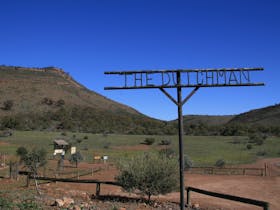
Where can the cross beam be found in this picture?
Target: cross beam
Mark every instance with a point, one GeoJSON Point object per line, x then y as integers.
{"type": "Point", "coordinates": [182, 78]}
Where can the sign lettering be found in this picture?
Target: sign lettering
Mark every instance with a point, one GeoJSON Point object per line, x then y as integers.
{"type": "Point", "coordinates": [189, 78]}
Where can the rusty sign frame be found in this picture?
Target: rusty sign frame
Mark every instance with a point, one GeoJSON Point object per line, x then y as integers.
{"type": "Point", "coordinates": [194, 78]}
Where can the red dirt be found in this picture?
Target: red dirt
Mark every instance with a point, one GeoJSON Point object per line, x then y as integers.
{"type": "Point", "coordinates": [254, 187]}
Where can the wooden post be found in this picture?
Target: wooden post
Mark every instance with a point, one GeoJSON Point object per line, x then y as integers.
{"type": "Point", "coordinates": [244, 171]}
{"type": "Point", "coordinates": [10, 169]}
{"type": "Point", "coordinates": [27, 180]}
{"type": "Point", "coordinates": [97, 189]}
{"type": "Point", "coordinates": [188, 197]}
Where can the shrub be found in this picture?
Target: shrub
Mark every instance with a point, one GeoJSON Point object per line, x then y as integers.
{"type": "Point", "coordinates": [21, 152]}
{"type": "Point", "coordinates": [257, 139]}
{"type": "Point", "coordinates": [35, 159]}
{"type": "Point", "coordinates": [106, 145]}
{"type": "Point", "coordinates": [220, 163]}
{"type": "Point", "coordinates": [60, 103]}
{"type": "Point", "coordinates": [28, 205]}
{"type": "Point", "coordinates": [5, 203]}
{"type": "Point", "coordinates": [76, 158]}
{"type": "Point", "coordinates": [167, 152]}
{"type": "Point", "coordinates": [47, 101]}
{"type": "Point", "coordinates": [149, 141]}
{"type": "Point", "coordinates": [249, 146]}
{"type": "Point", "coordinates": [187, 162]}
{"type": "Point", "coordinates": [79, 141]}
{"type": "Point", "coordinates": [7, 105]}
{"type": "Point", "coordinates": [149, 174]}
{"type": "Point", "coordinates": [165, 142]}
{"type": "Point", "coordinates": [261, 153]}
{"type": "Point", "coordinates": [85, 137]}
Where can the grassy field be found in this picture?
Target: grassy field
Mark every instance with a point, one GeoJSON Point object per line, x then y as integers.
{"type": "Point", "coordinates": [203, 150]}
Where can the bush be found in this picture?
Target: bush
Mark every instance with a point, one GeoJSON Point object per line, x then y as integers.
{"type": "Point", "coordinates": [167, 152]}
{"type": "Point", "coordinates": [249, 146]}
{"type": "Point", "coordinates": [261, 153]}
{"type": "Point", "coordinates": [220, 163]}
{"type": "Point", "coordinates": [47, 101]}
{"type": "Point", "coordinates": [76, 158]}
{"type": "Point", "coordinates": [5, 203]}
{"type": "Point", "coordinates": [60, 103]}
{"type": "Point", "coordinates": [187, 162]}
{"type": "Point", "coordinates": [7, 105]}
{"type": "Point", "coordinates": [257, 139]}
{"type": "Point", "coordinates": [21, 152]}
{"type": "Point", "coordinates": [165, 142]}
{"type": "Point", "coordinates": [106, 145]}
{"type": "Point", "coordinates": [35, 159]}
{"type": "Point", "coordinates": [149, 141]}
{"type": "Point", "coordinates": [149, 174]}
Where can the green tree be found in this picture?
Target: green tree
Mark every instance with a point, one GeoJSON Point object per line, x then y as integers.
{"type": "Point", "coordinates": [76, 158]}
{"type": "Point", "coordinates": [21, 152]}
{"type": "Point", "coordinates": [33, 160]}
{"type": "Point", "coordinates": [149, 174]}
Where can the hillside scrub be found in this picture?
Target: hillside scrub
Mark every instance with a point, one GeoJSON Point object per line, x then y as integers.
{"type": "Point", "coordinates": [149, 174]}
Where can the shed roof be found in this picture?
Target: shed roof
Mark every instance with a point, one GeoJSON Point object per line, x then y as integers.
{"type": "Point", "coordinates": [60, 142]}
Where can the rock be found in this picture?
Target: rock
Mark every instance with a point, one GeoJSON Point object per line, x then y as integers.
{"type": "Point", "coordinates": [58, 202]}
{"type": "Point", "coordinates": [85, 196]}
{"type": "Point", "coordinates": [76, 207]}
{"type": "Point", "coordinates": [195, 206]}
{"type": "Point", "coordinates": [84, 205]}
{"type": "Point", "coordinates": [68, 201]}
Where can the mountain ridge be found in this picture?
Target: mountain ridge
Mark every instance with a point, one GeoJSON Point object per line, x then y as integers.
{"type": "Point", "coordinates": [49, 98]}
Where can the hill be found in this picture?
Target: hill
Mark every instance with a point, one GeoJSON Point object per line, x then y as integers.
{"type": "Point", "coordinates": [210, 120]}
{"type": "Point", "coordinates": [50, 99]}
{"type": "Point", "coordinates": [267, 116]}
{"type": "Point", "coordinates": [263, 120]}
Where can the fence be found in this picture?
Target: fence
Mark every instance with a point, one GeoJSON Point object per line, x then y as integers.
{"type": "Point", "coordinates": [229, 171]}
{"type": "Point", "coordinates": [263, 204]}
{"type": "Point", "coordinates": [88, 181]}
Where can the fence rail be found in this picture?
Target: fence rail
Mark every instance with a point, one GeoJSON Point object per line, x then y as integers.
{"type": "Point", "coordinates": [228, 171]}
{"type": "Point", "coordinates": [87, 181]}
{"type": "Point", "coordinates": [263, 204]}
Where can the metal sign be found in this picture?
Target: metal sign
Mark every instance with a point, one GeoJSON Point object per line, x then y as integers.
{"type": "Point", "coordinates": [188, 78]}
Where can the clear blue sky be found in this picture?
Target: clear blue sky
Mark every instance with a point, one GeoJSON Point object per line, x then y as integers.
{"type": "Point", "coordinates": [88, 37]}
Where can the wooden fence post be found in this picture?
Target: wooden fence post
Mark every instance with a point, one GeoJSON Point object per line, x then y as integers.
{"type": "Point", "coordinates": [78, 174]}
{"type": "Point", "coordinates": [97, 189]}
{"type": "Point", "coordinates": [10, 169]}
{"type": "Point", "coordinates": [188, 197]}
{"type": "Point", "coordinates": [27, 180]}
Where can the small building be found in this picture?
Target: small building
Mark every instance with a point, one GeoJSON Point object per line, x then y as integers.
{"type": "Point", "coordinates": [60, 146]}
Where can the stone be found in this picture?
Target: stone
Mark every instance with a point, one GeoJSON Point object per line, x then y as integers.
{"type": "Point", "coordinates": [196, 206]}
{"type": "Point", "coordinates": [58, 202]}
{"type": "Point", "coordinates": [68, 201]}
{"type": "Point", "coordinates": [76, 207]}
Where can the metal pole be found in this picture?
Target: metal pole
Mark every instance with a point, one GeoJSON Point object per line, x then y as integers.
{"type": "Point", "coordinates": [181, 145]}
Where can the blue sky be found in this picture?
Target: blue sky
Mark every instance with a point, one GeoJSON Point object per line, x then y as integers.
{"type": "Point", "coordinates": [88, 37]}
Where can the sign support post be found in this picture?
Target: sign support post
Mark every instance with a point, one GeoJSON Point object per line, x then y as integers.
{"type": "Point", "coordinates": [195, 78]}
